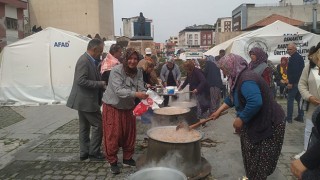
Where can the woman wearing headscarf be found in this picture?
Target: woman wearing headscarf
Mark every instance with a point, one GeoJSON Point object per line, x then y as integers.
{"type": "Point", "coordinates": [309, 89]}
{"type": "Point", "coordinates": [259, 64]}
{"type": "Point", "coordinates": [111, 60]}
{"type": "Point", "coordinates": [282, 71]}
{"type": "Point", "coordinates": [119, 123]}
{"type": "Point", "coordinates": [198, 85]}
{"type": "Point", "coordinates": [170, 76]}
{"type": "Point", "coordinates": [259, 118]}
{"type": "Point", "coordinates": [148, 79]}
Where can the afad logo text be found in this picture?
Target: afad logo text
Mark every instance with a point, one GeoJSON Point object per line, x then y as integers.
{"type": "Point", "coordinates": [61, 44]}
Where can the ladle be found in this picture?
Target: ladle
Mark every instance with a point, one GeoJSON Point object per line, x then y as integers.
{"type": "Point", "coordinates": [184, 125]}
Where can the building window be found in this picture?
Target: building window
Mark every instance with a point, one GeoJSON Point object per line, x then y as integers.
{"type": "Point", "coordinates": [204, 42]}
{"type": "Point", "coordinates": [209, 36]}
{"type": "Point", "coordinates": [196, 36]}
{"type": "Point", "coordinates": [190, 42]}
{"type": "Point", "coordinates": [190, 36]}
{"type": "Point", "coordinates": [196, 42]}
{"type": "Point", "coordinates": [11, 23]}
{"type": "Point", "coordinates": [209, 42]}
{"type": "Point", "coordinates": [204, 36]}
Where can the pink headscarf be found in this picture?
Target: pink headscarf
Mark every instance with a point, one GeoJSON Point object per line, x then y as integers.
{"type": "Point", "coordinates": [108, 63]}
{"type": "Point", "coordinates": [232, 64]}
{"type": "Point", "coordinates": [261, 57]}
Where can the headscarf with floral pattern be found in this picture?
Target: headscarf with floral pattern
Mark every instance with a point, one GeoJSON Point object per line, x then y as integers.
{"type": "Point", "coordinates": [233, 65]}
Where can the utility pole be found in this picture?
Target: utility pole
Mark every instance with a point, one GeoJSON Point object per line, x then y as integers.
{"type": "Point", "coordinates": [314, 17]}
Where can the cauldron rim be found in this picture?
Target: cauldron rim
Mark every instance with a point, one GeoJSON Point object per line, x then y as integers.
{"type": "Point", "coordinates": [185, 104]}
{"type": "Point", "coordinates": [175, 114]}
{"type": "Point", "coordinates": [161, 127]}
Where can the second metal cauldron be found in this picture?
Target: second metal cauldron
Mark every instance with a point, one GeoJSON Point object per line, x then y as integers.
{"type": "Point", "coordinates": [169, 116]}
{"type": "Point", "coordinates": [191, 117]}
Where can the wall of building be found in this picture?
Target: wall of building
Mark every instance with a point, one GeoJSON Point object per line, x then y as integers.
{"type": "Point", "coordinates": [11, 16]}
{"type": "Point", "coordinates": [182, 38]}
{"type": "Point", "coordinates": [302, 13]}
{"type": "Point", "coordinates": [127, 24]}
{"type": "Point", "coordinates": [221, 37]}
{"type": "Point", "coordinates": [83, 17]}
{"type": "Point", "coordinates": [291, 2]}
{"type": "Point", "coordinates": [12, 35]}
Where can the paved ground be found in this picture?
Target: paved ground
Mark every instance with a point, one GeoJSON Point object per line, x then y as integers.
{"type": "Point", "coordinates": [42, 143]}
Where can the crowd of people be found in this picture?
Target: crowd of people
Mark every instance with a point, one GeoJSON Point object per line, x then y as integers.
{"type": "Point", "coordinates": [121, 80]}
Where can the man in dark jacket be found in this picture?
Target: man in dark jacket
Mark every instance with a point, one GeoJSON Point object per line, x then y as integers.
{"type": "Point", "coordinates": [85, 96]}
{"type": "Point", "coordinates": [295, 67]}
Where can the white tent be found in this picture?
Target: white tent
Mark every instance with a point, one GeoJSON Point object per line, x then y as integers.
{"type": "Point", "coordinates": [273, 38]}
{"type": "Point", "coordinates": [39, 69]}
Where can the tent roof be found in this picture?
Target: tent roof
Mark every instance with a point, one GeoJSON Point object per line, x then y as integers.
{"type": "Point", "coordinates": [46, 31]}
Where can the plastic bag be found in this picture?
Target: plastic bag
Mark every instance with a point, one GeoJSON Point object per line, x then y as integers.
{"type": "Point", "coordinates": [152, 101]}
{"type": "Point", "coordinates": [142, 107]}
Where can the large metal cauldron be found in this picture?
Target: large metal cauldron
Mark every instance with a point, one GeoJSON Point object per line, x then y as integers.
{"type": "Point", "coordinates": [184, 156]}
{"type": "Point", "coordinates": [158, 173]}
{"type": "Point", "coordinates": [167, 116]}
{"type": "Point", "coordinates": [191, 117]}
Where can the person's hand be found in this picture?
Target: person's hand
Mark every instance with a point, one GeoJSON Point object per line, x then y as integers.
{"type": "Point", "coordinates": [148, 85]}
{"type": "Point", "coordinates": [195, 91]}
{"type": "Point", "coordinates": [297, 168]}
{"type": "Point", "coordinates": [142, 95]}
{"type": "Point", "coordinates": [314, 100]}
{"type": "Point", "coordinates": [237, 124]}
{"type": "Point", "coordinates": [177, 83]}
{"type": "Point", "coordinates": [289, 86]}
{"type": "Point", "coordinates": [215, 115]}
{"type": "Point", "coordinates": [104, 85]}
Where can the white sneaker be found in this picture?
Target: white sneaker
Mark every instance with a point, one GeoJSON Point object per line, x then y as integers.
{"type": "Point", "coordinates": [299, 155]}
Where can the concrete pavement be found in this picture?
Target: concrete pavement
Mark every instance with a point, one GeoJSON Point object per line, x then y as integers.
{"type": "Point", "coordinates": [42, 143]}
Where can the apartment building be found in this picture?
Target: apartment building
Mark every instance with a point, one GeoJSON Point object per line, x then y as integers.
{"type": "Point", "coordinates": [197, 36]}
{"type": "Point", "coordinates": [247, 14]}
{"type": "Point", "coordinates": [11, 14]}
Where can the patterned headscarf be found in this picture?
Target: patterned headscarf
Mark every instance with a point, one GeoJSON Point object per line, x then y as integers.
{"type": "Point", "coordinates": [233, 65]}
{"type": "Point", "coordinates": [262, 57]}
{"type": "Point", "coordinates": [130, 71]}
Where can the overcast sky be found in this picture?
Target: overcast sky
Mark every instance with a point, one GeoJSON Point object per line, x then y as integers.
{"type": "Point", "coordinates": [171, 16]}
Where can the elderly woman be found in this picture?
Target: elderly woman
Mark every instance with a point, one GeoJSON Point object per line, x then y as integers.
{"type": "Point", "coordinates": [119, 124]}
{"type": "Point", "coordinates": [198, 85]}
{"type": "Point", "coordinates": [170, 76]}
{"type": "Point", "coordinates": [259, 119]}
{"type": "Point", "coordinates": [259, 64]}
